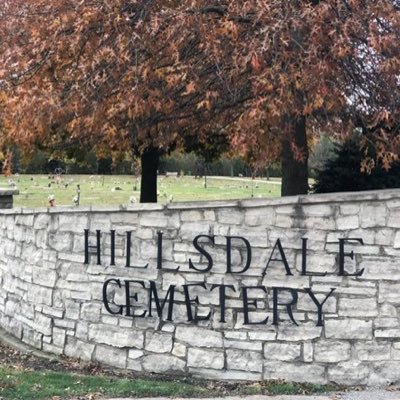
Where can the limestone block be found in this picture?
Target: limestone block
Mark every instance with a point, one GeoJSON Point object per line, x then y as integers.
{"type": "Point", "coordinates": [134, 365]}
{"type": "Point", "coordinates": [42, 221]}
{"type": "Point", "coordinates": [349, 209]}
{"type": "Point", "coordinates": [308, 352]}
{"type": "Point", "coordinates": [323, 223]}
{"type": "Point", "coordinates": [331, 351]}
{"type": "Point", "coordinates": [12, 307]}
{"type": "Point", "coordinates": [90, 312]}
{"type": "Point", "coordinates": [148, 250]}
{"type": "Point", "coordinates": [263, 336]}
{"type": "Point", "coordinates": [395, 352]}
{"type": "Point", "coordinates": [122, 218]}
{"type": "Point", "coordinates": [191, 215]}
{"type": "Point", "coordinates": [318, 210]}
{"type": "Point", "coordinates": [396, 244]}
{"type": "Point", "coordinates": [349, 328]}
{"type": "Point", "coordinates": [282, 351]}
{"type": "Point", "coordinates": [389, 292]}
{"type": "Point", "coordinates": [349, 373]}
{"type": "Point", "coordinates": [161, 363]}
{"type": "Point", "coordinates": [293, 333]}
{"type": "Point", "coordinates": [64, 323]}
{"type": "Point", "coordinates": [257, 236]}
{"type": "Point", "coordinates": [347, 223]}
{"type": "Point", "coordinates": [235, 335]}
{"type": "Point", "coordinates": [294, 372]}
{"type": "Point", "coordinates": [372, 351]}
{"type": "Point", "coordinates": [383, 322]}
{"type": "Point", "coordinates": [40, 295]}
{"type": "Point", "coordinates": [158, 342]}
{"type": "Point", "coordinates": [32, 337]}
{"type": "Point", "coordinates": [259, 217]}
{"type": "Point", "coordinates": [42, 324]}
{"type": "Point", "coordinates": [59, 337]}
{"type": "Point", "coordinates": [360, 307]}
{"type": "Point", "coordinates": [145, 233]}
{"type": "Point", "coordinates": [153, 220]}
{"type": "Point", "coordinates": [230, 216]}
{"type": "Point", "coordinates": [135, 354]}
{"type": "Point", "coordinates": [317, 262]}
{"type": "Point", "coordinates": [384, 237]}
{"type": "Point", "coordinates": [61, 241]}
{"type": "Point", "coordinates": [110, 356]}
{"type": "Point", "coordinates": [76, 223]}
{"type": "Point", "coordinates": [243, 360]}
{"type": "Point", "coordinates": [394, 218]}
{"type": "Point", "coordinates": [116, 336]}
{"type": "Point", "coordinates": [387, 333]}
{"type": "Point", "coordinates": [209, 215]}
{"type": "Point", "coordinates": [179, 350]}
{"type": "Point", "coordinates": [384, 373]}
{"type": "Point", "coordinates": [52, 349]}
{"type": "Point", "coordinates": [379, 268]}
{"type": "Point", "coordinates": [189, 230]}
{"type": "Point", "coordinates": [205, 358]}
{"type": "Point", "coordinates": [305, 303]}
{"type": "Point", "coordinates": [41, 239]}
{"type": "Point", "coordinates": [373, 216]}
{"type": "Point", "coordinates": [44, 277]}
{"type": "Point", "coordinates": [100, 221]}
{"type": "Point", "coordinates": [198, 337]}
{"type": "Point", "coordinates": [283, 221]}
{"type": "Point", "coordinates": [24, 220]}
{"type": "Point", "coordinates": [239, 345]}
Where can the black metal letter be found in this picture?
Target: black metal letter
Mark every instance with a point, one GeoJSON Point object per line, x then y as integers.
{"type": "Point", "coordinates": [289, 306]}
{"type": "Point", "coordinates": [97, 246]}
{"type": "Point", "coordinates": [251, 302]}
{"type": "Point", "coordinates": [342, 255]}
{"type": "Point", "coordinates": [159, 253]}
{"type": "Point", "coordinates": [203, 252]}
{"type": "Point", "coordinates": [222, 298]}
{"type": "Point", "coordinates": [304, 262]}
{"type": "Point", "coordinates": [283, 259]}
{"type": "Point", "coordinates": [112, 248]}
{"type": "Point", "coordinates": [128, 252]}
{"type": "Point", "coordinates": [188, 302]}
{"type": "Point", "coordinates": [105, 300]}
{"type": "Point", "coordinates": [229, 254]}
{"type": "Point", "coordinates": [318, 304]}
{"type": "Point", "coordinates": [160, 307]}
{"type": "Point", "coordinates": [134, 297]}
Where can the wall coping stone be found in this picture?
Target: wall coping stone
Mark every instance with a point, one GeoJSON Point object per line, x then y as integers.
{"type": "Point", "coordinates": [8, 192]}
{"type": "Point", "coordinates": [342, 197]}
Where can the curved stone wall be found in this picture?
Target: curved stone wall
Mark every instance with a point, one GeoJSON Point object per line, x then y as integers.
{"type": "Point", "coordinates": [302, 288]}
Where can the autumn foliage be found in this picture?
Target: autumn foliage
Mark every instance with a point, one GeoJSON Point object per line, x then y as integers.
{"type": "Point", "coordinates": [144, 74]}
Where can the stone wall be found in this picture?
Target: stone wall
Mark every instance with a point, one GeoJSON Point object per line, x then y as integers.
{"type": "Point", "coordinates": [52, 300]}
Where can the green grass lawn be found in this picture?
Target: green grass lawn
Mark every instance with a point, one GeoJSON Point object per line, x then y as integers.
{"type": "Point", "coordinates": [121, 189]}
{"type": "Point", "coordinates": [31, 385]}
{"type": "Point", "coordinates": [20, 384]}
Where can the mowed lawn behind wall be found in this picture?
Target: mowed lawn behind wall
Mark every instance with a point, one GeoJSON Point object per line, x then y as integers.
{"type": "Point", "coordinates": [106, 190]}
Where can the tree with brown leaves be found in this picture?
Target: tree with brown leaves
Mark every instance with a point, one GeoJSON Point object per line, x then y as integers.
{"type": "Point", "coordinates": [143, 74]}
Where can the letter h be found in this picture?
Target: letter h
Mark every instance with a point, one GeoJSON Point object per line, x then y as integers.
{"type": "Point", "coordinates": [95, 247]}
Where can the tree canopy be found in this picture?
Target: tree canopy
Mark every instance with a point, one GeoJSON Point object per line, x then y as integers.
{"type": "Point", "coordinates": [143, 74]}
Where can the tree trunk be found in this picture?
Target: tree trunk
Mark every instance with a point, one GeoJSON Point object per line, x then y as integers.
{"type": "Point", "coordinates": [295, 172]}
{"type": "Point", "coordinates": [148, 187]}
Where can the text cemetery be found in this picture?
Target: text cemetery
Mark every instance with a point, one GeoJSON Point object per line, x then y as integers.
{"type": "Point", "coordinates": [277, 299]}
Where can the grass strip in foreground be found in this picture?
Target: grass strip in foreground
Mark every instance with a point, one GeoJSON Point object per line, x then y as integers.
{"type": "Point", "coordinates": [24, 385]}
{"type": "Point", "coordinates": [19, 384]}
